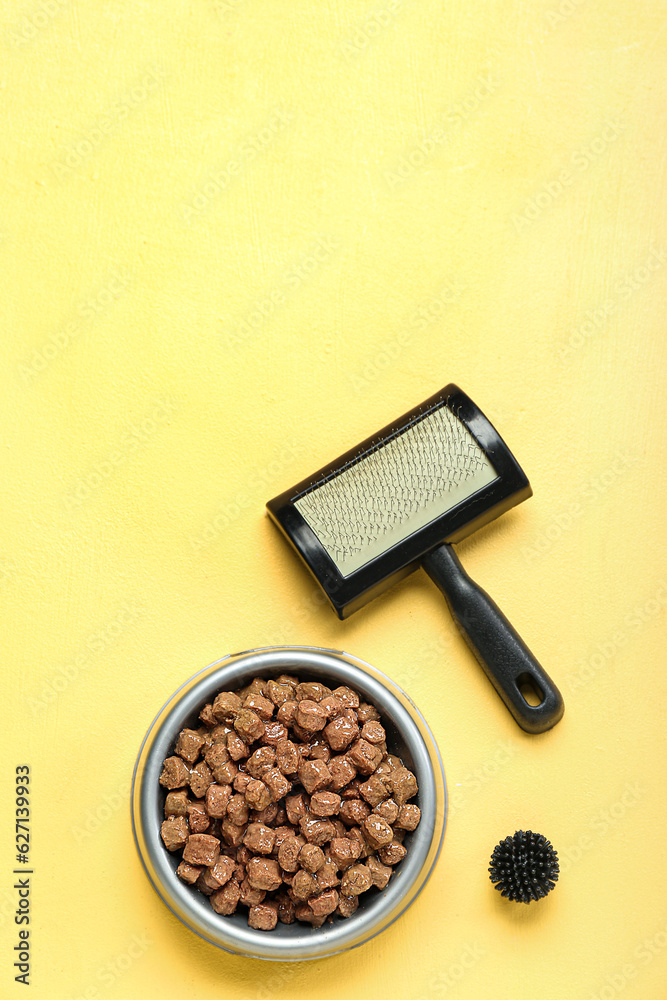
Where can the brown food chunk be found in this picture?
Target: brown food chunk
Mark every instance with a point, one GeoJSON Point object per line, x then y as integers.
{"type": "Point", "coordinates": [200, 779]}
{"type": "Point", "coordinates": [327, 876]}
{"type": "Point", "coordinates": [342, 772]}
{"type": "Point", "coordinates": [217, 735]}
{"type": "Point", "coordinates": [364, 756]}
{"type": "Point", "coordinates": [257, 686]}
{"type": "Point", "coordinates": [242, 854]}
{"type": "Point", "coordinates": [248, 725]}
{"type": "Point", "coordinates": [176, 803]}
{"type": "Point", "coordinates": [408, 817]}
{"type": "Point", "coordinates": [289, 679]}
{"type": "Point", "coordinates": [226, 706]}
{"type": "Point", "coordinates": [282, 833]}
{"type": "Point", "coordinates": [311, 691]}
{"type": "Point", "coordinates": [374, 790]}
{"type": "Point", "coordinates": [266, 815]}
{"type": "Point", "coordinates": [261, 705]}
{"type": "Point", "coordinates": [260, 761]}
{"type": "Point", "coordinates": [278, 693]}
{"type": "Point", "coordinates": [367, 713]}
{"type": "Point", "coordinates": [388, 810]}
{"type": "Point", "coordinates": [188, 745]}
{"type": "Point", "coordinates": [310, 716]}
{"type": "Point", "coordinates": [403, 785]}
{"type": "Point", "coordinates": [287, 712]}
{"type": "Point", "coordinates": [340, 732]}
{"type": "Point", "coordinates": [216, 754]}
{"type": "Point", "coordinates": [304, 913]}
{"type": "Point", "coordinates": [286, 908]}
{"type": "Point", "coordinates": [214, 877]}
{"type": "Point", "coordinates": [301, 734]}
{"type": "Point", "coordinates": [237, 809]}
{"type": "Point", "coordinates": [288, 853]}
{"type": "Point", "coordinates": [264, 916]}
{"type": "Point", "coordinates": [316, 831]}
{"type": "Point", "coordinates": [257, 794]}
{"type": "Point", "coordinates": [325, 903]}
{"type": "Point", "coordinates": [215, 828]}
{"type": "Point", "coordinates": [314, 775]}
{"type": "Point", "coordinates": [175, 773]}
{"type": "Point", "coordinates": [241, 782]}
{"type": "Point", "coordinates": [259, 838]}
{"type": "Point", "coordinates": [206, 716]}
{"type": "Point", "coordinates": [355, 881]}
{"type": "Point", "coordinates": [274, 732]}
{"type": "Point", "coordinates": [189, 873]}
{"type": "Point", "coordinates": [304, 885]}
{"type": "Point", "coordinates": [311, 858]}
{"type": "Point", "coordinates": [332, 706]}
{"type": "Point", "coordinates": [218, 798]}
{"type": "Point", "coordinates": [353, 812]}
{"type": "Point", "coordinates": [324, 803]}
{"type": "Point", "coordinates": [226, 900]}
{"type": "Point", "coordinates": [232, 832]}
{"type": "Point", "coordinates": [377, 831]}
{"type": "Point", "coordinates": [347, 905]}
{"type": "Point", "coordinates": [392, 853]}
{"type": "Point", "coordinates": [344, 852]}
{"type": "Point", "coordinates": [287, 758]}
{"type": "Point", "coordinates": [349, 698]}
{"type": "Point", "coordinates": [198, 818]}
{"type": "Point", "coordinates": [356, 835]}
{"type": "Point", "coordinates": [174, 832]}
{"type": "Point", "coordinates": [351, 791]}
{"type": "Point", "coordinates": [373, 733]}
{"type": "Point", "coordinates": [277, 783]}
{"type": "Point", "coordinates": [380, 873]}
{"type": "Point", "coordinates": [249, 895]}
{"type": "Point", "coordinates": [236, 747]}
{"type": "Point", "coordinates": [201, 849]}
{"type": "Point", "coordinates": [225, 773]}
{"type": "Point", "coordinates": [264, 873]}
{"type": "Point", "coordinates": [319, 751]}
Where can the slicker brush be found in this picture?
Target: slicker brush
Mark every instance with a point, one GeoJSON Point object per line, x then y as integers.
{"type": "Point", "coordinates": [524, 867]}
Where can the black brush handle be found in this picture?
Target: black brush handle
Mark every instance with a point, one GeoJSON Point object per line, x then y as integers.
{"type": "Point", "coordinates": [508, 662]}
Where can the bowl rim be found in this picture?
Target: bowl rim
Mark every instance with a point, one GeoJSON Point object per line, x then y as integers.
{"type": "Point", "coordinates": [306, 943]}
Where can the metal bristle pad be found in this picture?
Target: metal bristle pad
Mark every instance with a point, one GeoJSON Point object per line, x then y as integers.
{"type": "Point", "coordinates": [395, 489]}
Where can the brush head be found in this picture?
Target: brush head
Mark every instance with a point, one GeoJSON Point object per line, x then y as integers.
{"type": "Point", "coordinates": [524, 867]}
{"type": "Point", "coordinates": [368, 518]}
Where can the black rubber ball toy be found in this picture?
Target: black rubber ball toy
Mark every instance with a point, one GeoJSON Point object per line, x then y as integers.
{"type": "Point", "coordinates": [524, 867]}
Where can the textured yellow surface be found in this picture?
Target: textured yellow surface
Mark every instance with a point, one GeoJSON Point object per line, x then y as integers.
{"type": "Point", "coordinates": [236, 237]}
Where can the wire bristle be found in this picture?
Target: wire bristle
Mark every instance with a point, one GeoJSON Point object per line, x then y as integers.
{"type": "Point", "coordinates": [524, 867]}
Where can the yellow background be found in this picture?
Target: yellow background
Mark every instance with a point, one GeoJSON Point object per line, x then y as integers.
{"type": "Point", "coordinates": [236, 237]}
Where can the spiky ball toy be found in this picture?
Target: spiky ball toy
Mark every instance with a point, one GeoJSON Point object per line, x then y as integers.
{"type": "Point", "coordinates": [524, 867]}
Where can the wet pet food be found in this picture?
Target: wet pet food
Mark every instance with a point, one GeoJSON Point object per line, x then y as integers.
{"type": "Point", "coordinates": [286, 801]}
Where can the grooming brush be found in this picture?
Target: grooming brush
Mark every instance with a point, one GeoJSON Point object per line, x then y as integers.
{"type": "Point", "coordinates": [524, 867]}
{"type": "Point", "coordinates": [399, 500]}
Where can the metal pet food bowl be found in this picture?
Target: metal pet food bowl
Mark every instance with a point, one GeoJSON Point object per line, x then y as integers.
{"type": "Point", "coordinates": [408, 736]}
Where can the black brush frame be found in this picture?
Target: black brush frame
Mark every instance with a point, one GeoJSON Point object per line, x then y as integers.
{"type": "Point", "coordinates": [348, 594]}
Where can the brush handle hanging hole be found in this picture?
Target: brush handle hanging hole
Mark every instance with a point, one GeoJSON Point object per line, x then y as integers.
{"type": "Point", "coordinates": [529, 690]}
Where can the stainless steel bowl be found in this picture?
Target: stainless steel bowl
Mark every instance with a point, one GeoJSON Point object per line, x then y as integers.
{"type": "Point", "coordinates": [407, 735]}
